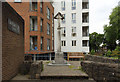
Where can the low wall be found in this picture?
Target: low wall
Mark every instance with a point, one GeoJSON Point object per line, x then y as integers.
{"type": "Point", "coordinates": [100, 68]}
{"type": "Point", "coordinates": [101, 59]}
{"type": "Point", "coordinates": [36, 69]}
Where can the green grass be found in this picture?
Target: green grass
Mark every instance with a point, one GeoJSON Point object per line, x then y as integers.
{"type": "Point", "coordinates": [48, 62]}
{"type": "Point", "coordinates": [71, 66]}
{"type": "Point", "coordinates": [113, 57]}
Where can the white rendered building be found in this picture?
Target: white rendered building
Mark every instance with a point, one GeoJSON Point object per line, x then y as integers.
{"type": "Point", "coordinates": [75, 26]}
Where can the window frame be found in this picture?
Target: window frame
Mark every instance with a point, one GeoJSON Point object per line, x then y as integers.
{"type": "Point", "coordinates": [63, 5]}
{"type": "Point", "coordinates": [48, 44]}
{"type": "Point", "coordinates": [63, 43]}
{"type": "Point", "coordinates": [48, 28]}
{"type": "Point", "coordinates": [73, 4]}
{"type": "Point", "coordinates": [48, 13]}
{"type": "Point", "coordinates": [41, 24]}
{"type": "Point", "coordinates": [73, 17]}
{"type": "Point", "coordinates": [74, 42]}
{"type": "Point", "coordinates": [63, 21]}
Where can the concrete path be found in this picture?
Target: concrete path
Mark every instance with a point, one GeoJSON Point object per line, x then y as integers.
{"type": "Point", "coordinates": [72, 70]}
{"type": "Point", "coordinates": [64, 71]}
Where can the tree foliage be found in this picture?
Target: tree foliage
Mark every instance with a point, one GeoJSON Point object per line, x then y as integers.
{"type": "Point", "coordinates": [95, 40]}
{"type": "Point", "coordinates": [112, 31]}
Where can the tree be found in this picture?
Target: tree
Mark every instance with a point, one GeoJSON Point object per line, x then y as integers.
{"type": "Point", "coordinates": [112, 31]}
{"type": "Point", "coordinates": [95, 41]}
{"type": "Point", "coordinates": [115, 21]}
{"type": "Point", "coordinates": [110, 37]}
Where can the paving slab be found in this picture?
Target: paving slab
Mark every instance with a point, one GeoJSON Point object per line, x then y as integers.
{"type": "Point", "coordinates": [72, 70]}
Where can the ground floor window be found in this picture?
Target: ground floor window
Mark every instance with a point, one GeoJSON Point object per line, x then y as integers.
{"type": "Point", "coordinates": [33, 43]}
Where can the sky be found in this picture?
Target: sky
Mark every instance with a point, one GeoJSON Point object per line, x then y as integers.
{"type": "Point", "coordinates": [99, 14]}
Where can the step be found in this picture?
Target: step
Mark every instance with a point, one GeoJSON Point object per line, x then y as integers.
{"type": "Point", "coordinates": [65, 77]}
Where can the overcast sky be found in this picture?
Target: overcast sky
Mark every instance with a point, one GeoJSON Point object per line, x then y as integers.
{"type": "Point", "coordinates": [99, 13]}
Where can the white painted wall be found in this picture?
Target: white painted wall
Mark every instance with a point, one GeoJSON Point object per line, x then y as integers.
{"type": "Point", "coordinates": [68, 24]}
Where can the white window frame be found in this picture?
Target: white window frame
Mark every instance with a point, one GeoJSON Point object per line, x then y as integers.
{"type": "Point", "coordinates": [62, 5]}
{"type": "Point", "coordinates": [63, 21]}
{"type": "Point", "coordinates": [73, 4]}
{"type": "Point", "coordinates": [73, 29]}
{"type": "Point", "coordinates": [73, 17]}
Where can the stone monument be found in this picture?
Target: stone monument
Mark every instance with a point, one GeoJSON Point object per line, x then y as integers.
{"type": "Point", "coordinates": [59, 56]}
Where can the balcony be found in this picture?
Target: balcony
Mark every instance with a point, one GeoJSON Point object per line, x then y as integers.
{"type": "Point", "coordinates": [85, 43]}
{"type": "Point", "coordinates": [85, 31]}
{"type": "Point", "coordinates": [85, 5]}
{"type": "Point", "coordinates": [33, 23]}
{"type": "Point", "coordinates": [33, 5]}
{"type": "Point", "coordinates": [85, 17]}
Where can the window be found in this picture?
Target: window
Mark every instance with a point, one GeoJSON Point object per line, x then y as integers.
{"type": "Point", "coordinates": [85, 31]}
{"type": "Point", "coordinates": [48, 44]}
{"type": "Point", "coordinates": [41, 25]}
{"type": "Point", "coordinates": [85, 17]}
{"type": "Point", "coordinates": [62, 5]}
{"type": "Point", "coordinates": [73, 31]}
{"type": "Point", "coordinates": [17, 0]}
{"type": "Point", "coordinates": [33, 5]}
{"type": "Point", "coordinates": [73, 17]}
{"type": "Point", "coordinates": [85, 43]}
{"type": "Point", "coordinates": [33, 43]}
{"type": "Point", "coordinates": [48, 13]}
{"type": "Point", "coordinates": [63, 21]}
{"type": "Point", "coordinates": [33, 23]}
{"type": "Point", "coordinates": [63, 31]}
{"type": "Point", "coordinates": [41, 7]}
{"type": "Point", "coordinates": [52, 25]}
{"type": "Point", "coordinates": [64, 43]}
{"type": "Point", "coordinates": [73, 42]}
{"type": "Point", "coordinates": [73, 4]}
{"type": "Point", "coordinates": [52, 44]}
{"type": "Point", "coordinates": [41, 43]}
{"type": "Point", "coordinates": [85, 5]}
{"type": "Point", "coordinates": [48, 28]}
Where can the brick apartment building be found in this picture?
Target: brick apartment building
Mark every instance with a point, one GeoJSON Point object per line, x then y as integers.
{"type": "Point", "coordinates": [12, 40]}
{"type": "Point", "coordinates": [39, 26]}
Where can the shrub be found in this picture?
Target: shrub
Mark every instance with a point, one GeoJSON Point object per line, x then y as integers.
{"type": "Point", "coordinates": [117, 48]}
{"type": "Point", "coordinates": [92, 52]}
{"type": "Point", "coordinates": [108, 53]}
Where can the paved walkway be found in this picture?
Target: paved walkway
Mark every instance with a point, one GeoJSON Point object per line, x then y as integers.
{"type": "Point", "coordinates": [72, 70]}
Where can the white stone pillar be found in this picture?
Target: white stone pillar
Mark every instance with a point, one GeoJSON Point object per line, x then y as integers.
{"type": "Point", "coordinates": [59, 35]}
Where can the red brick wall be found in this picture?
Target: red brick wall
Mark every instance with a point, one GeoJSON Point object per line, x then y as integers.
{"type": "Point", "coordinates": [23, 10]}
{"type": "Point", "coordinates": [12, 43]}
